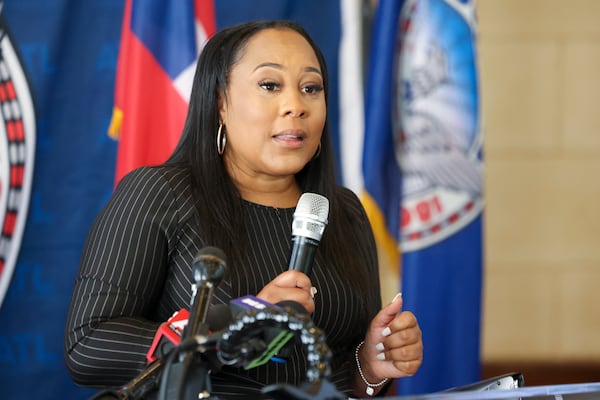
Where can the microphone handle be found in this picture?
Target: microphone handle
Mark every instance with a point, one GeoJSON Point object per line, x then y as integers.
{"type": "Point", "coordinates": [199, 312]}
{"type": "Point", "coordinates": [303, 254]}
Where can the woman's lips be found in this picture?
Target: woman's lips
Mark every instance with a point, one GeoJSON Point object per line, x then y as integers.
{"type": "Point", "coordinates": [293, 138]}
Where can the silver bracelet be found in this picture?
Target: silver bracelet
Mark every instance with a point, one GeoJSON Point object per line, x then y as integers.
{"type": "Point", "coordinates": [370, 385]}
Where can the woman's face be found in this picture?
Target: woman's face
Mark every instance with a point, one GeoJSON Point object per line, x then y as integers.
{"type": "Point", "coordinates": [274, 110]}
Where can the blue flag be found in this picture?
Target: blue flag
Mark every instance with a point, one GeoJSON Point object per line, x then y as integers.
{"type": "Point", "coordinates": [438, 118]}
{"type": "Point", "coordinates": [423, 113]}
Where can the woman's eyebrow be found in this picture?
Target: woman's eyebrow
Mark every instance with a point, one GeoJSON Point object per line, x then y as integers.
{"type": "Point", "coordinates": [279, 66]}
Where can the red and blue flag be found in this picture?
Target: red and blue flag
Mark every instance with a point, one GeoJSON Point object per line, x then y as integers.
{"type": "Point", "coordinates": [160, 43]}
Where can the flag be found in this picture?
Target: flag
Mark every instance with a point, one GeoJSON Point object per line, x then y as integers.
{"type": "Point", "coordinates": [160, 43]}
{"type": "Point", "coordinates": [442, 197]}
{"type": "Point", "coordinates": [381, 193]}
{"type": "Point", "coordinates": [17, 152]}
{"type": "Point", "coordinates": [422, 116]}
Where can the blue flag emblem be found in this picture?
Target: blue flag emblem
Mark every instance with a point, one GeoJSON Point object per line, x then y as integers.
{"type": "Point", "coordinates": [437, 125]}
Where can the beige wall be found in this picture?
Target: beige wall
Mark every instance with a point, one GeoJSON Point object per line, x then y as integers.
{"type": "Point", "coordinates": [540, 86]}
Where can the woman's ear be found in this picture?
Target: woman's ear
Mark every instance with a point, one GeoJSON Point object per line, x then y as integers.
{"type": "Point", "coordinates": [222, 104]}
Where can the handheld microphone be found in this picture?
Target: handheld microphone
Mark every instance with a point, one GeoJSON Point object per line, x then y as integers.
{"type": "Point", "coordinates": [310, 219]}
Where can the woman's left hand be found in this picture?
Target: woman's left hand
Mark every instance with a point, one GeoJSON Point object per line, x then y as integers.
{"type": "Point", "coordinates": [393, 347]}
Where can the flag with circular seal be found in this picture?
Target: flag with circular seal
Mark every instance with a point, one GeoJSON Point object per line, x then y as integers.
{"type": "Point", "coordinates": [437, 124]}
{"type": "Point", "coordinates": [438, 137]}
{"type": "Point", "coordinates": [17, 145]}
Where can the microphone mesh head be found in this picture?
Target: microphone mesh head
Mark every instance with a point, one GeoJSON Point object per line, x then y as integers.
{"type": "Point", "coordinates": [310, 216]}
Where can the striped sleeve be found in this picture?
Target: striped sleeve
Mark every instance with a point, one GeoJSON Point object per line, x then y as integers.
{"type": "Point", "coordinates": [109, 326]}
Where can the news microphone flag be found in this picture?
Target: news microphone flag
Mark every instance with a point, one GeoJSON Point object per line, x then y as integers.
{"type": "Point", "coordinates": [423, 122]}
{"type": "Point", "coordinates": [160, 43]}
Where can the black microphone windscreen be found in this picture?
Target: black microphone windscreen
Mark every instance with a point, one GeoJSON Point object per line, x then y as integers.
{"type": "Point", "coordinates": [209, 266]}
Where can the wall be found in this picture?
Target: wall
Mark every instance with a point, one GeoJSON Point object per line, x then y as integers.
{"type": "Point", "coordinates": [540, 85]}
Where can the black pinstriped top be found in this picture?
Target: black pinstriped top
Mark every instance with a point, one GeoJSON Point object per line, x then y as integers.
{"type": "Point", "coordinates": [135, 271]}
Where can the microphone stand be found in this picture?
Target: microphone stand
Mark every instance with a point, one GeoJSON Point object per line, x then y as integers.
{"type": "Point", "coordinates": [208, 269]}
{"type": "Point", "coordinates": [178, 372]}
{"type": "Point", "coordinates": [143, 383]}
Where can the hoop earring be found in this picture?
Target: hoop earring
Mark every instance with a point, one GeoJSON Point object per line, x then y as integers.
{"type": "Point", "coordinates": [221, 140]}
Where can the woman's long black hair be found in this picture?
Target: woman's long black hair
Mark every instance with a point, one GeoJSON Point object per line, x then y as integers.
{"type": "Point", "coordinates": [217, 199]}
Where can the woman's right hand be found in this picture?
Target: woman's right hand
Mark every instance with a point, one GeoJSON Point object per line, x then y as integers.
{"type": "Point", "coordinates": [290, 285]}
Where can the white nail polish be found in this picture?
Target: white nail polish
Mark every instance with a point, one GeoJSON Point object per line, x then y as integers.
{"type": "Point", "coordinates": [379, 346]}
{"type": "Point", "coordinates": [387, 331]}
{"type": "Point", "coordinates": [381, 356]}
{"type": "Point", "coordinates": [399, 295]}
{"type": "Point", "coordinates": [313, 291]}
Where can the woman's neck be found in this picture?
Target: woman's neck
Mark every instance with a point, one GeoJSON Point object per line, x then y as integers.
{"type": "Point", "coordinates": [279, 193]}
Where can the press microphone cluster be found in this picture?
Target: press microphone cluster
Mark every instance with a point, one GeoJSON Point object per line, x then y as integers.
{"type": "Point", "coordinates": [258, 331]}
{"type": "Point", "coordinates": [247, 333]}
{"type": "Point", "coordinates": [220, 316]}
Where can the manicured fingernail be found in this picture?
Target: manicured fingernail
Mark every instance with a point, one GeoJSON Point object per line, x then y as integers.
{"type": "Point", "coordinates": [313, 291]}
{"type": "Point", "coordinates": [396, 297]}
{"type": "Point", "coordinates": [387, 331]}
{"type": "Point", "coordinates": [379, 346]}
{"type": "Point", "coordinates": [381, 356]}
